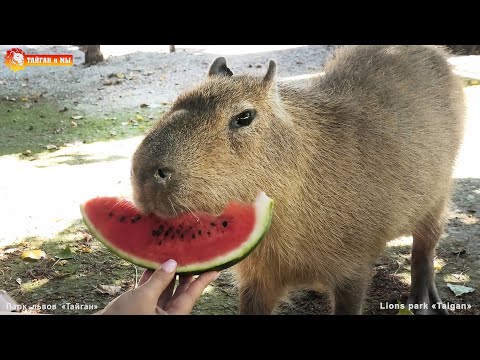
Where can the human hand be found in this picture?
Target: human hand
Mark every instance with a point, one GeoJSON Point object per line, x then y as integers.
{"type": "Point", "coordinates": [154, 295]}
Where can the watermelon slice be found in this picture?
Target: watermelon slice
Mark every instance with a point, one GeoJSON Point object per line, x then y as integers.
{"type": "Point", "coordinates": [199, 242]}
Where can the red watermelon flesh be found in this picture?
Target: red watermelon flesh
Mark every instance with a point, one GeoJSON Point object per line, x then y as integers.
{"type": "Point", "coordinates": [197, 241]}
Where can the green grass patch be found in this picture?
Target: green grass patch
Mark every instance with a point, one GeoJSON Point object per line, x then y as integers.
{"type": "Point", "coordinates": [35, 125]}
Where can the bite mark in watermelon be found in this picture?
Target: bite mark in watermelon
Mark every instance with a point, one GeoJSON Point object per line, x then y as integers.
{"type": "Point", "coordinates": [199, 242]}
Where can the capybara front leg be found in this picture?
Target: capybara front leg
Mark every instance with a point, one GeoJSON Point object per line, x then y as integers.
{"type": "Point", "coordinates": [424, 298]}
{"type": "Point", "coordinates": [259, 298]}
{"type": "Point", "coordinates": [348, 296]}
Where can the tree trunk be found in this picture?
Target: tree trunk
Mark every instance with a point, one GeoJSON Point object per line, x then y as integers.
{"type": "Point", "coordinates": [93, 54]}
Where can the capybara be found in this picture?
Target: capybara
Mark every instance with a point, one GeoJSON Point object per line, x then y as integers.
{"type": "Point", "coordinates": [353, 158]}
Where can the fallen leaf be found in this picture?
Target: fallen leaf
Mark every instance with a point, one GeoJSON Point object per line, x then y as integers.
{"type": "Point", "coordinates": [459, 290]}
{"type": "Point", "coordinates": [117, 75]}
{"type": "Point", "coordinates": [87, 237]}
{"type": "Point", "coordinates": [438, 264]}
{"type": "Point", "coordinates": [109, 289]}
{"type": "Point", "coordinates": [62, 262]}
{"type": "Point", "coordinates": [24, 99]}
{"type": "Point", "coordinates": [113, 133]}
{"type": "Point", "coordinates": [86, 249]}
{"type": "Point", "coordinates": [125, 123]}
{"type": "Point", "coordinates": [52, 147]}
{"type": "Point", "coordinates": [405, 311]}
{"type": "Point", "coordinates": [65, 253]}
{"type": "Point", "coordinates": [9, 251]}
{"type": "Point", "coordinates": [19, 281]}
{"type": "Point", "coordinates": [73, 123]}
{"type": "Point", "coordinates": [33, 255]}
{"type": "Point", "coordinates": [77, 117]}
{"type": "Point", "coordinates": [139, 117]}
{"type": "Point", "coordinates": [27, 152]}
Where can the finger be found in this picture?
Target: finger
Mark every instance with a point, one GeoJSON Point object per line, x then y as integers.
{"type": "Point", "coordinates": [186, 301]}
{"type": "Point", "coordinates": [145, 276]}
{"type": "Point", "coordinates": [167, 294]}
{"type": "Point", "coordinates": [183, 283]}
{"type": "Point", "coordinates": [160, 279]}
{"type": "Point", "coordinates": [185, 279]}
{"type": "Point", "coordinates": [160, 311]}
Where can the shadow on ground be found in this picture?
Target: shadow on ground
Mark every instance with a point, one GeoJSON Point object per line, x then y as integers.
{"type": "Point", "coordinates": [76, 280]}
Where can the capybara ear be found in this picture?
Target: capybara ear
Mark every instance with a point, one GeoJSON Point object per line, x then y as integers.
{"type": "Point", "coordinates": [271, 74]}
{"type": "Point", "coordinates": [219, 68]}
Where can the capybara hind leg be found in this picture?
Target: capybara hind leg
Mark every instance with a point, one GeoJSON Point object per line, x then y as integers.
{"type": "Point", "coordinates": [256, 298]}
{"type": "Point", "coordinates": [349, 295]}
{"type": "Point", "coordinates": [424, 298]}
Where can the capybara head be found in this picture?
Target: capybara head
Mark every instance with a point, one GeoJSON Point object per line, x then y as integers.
{"type": "Point", "coordinates": [214, 145]}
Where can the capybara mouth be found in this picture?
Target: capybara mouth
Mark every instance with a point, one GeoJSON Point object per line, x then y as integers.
{"type": "Point", "coordinates": [171, 206]}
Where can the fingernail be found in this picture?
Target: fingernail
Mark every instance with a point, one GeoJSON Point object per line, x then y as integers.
{"type": "Point", "coordinates": [169, 266]}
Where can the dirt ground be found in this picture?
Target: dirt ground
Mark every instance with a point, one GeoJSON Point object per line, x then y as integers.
{"type": "Point", "coordinates": [92, 117]}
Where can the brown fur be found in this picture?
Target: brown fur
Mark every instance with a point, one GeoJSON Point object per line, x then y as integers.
{"type": "Point", "coordinates": [353, 158]}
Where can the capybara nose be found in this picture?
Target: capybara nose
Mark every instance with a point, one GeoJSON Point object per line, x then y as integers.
{"type": "Point", "coordinates": [163, 175]}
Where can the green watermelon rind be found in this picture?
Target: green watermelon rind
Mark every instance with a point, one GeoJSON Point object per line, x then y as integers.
{"type": "Point", "coordinates": [263, 218]}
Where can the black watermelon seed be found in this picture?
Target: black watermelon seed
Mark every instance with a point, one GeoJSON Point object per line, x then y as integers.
{"type": "Point", "coordinates": [208, 233]}
{"type": "Point", "coordinates": [161, 228]}
{"type": "Point", "coordinates": [154, 233]}
{"type": "Point", "coordinates": [213, 224]}
{"type": "Point", "coordinates": [178, 231]}
{"type": "Point", "coordinates": [171, 237]}
{"type": "Point", "coordinates": [199, 232]}
{"type": "Point", "coordinates": [122, 218]}
{"type": "Point", "coordinates": [193, 236]}
{"type": "Point", "coordinates": [167, 232]}
{"type": "Point", "coordinates": [160, 242]}
{"type": "Point", "coordinates": [110, 214]}
{"type": "Point", "coordinates": [190, 228]}
{"type": "Point", "coordinates": [136, 218]}
{"type": "Point", "coordinates": [181, 236]}
{"type": "Point", "coordinates": [225, 223]}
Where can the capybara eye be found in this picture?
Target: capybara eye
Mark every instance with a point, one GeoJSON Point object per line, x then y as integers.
{"type": "Point", "coordinates": [245, 118]}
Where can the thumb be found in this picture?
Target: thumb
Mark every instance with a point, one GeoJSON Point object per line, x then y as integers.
{"type": "Point", "coordinates": [161, 278]}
